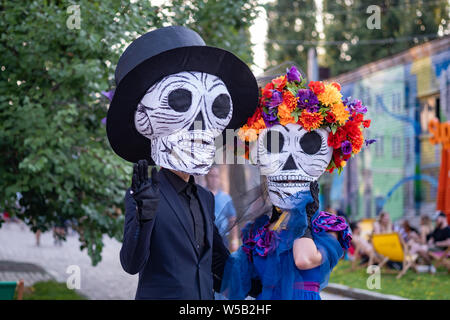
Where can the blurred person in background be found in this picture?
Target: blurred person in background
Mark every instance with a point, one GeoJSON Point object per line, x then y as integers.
{"type": "Point", "coordinates": [408, 232]}
{"type": "Point", "coordinates": [425, 228]}
{"type": "Point", "coordinates": [340, 213]}
{"type": "Point", "coordinates": [331, 210]}
{"type": "Point", "coordinates": [439, 239]}
{"type": "Point", "coordinates": [224, 210]}
{"type": "Point", "coordinates": [383, 224]}
{"type": "Point", "coordinates": [364, 247]}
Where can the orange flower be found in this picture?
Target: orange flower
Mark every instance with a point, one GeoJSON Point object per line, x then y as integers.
{"type": "Point", "coordinates": [247, 134]}
{"type": "Point", "coordinates": [310, 121]}
{"type": "Point", "coordinates": [330, 96]}
{"type": "Point", "coordinates": [357, 143]}
{"type": "Point", "coordinates": [289, 100]}
{"type": "Point", "coordinates": [280, 82]}
{"type": "Point", "coordinates": [340, 112]}
{"type": "Point", "coordinates": [285, 114]}
{"type": "Point", "coordinates": [259, 125]}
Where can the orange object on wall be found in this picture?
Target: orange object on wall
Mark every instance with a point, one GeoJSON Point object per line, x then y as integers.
{"type": "Point", "coordinates": [441, 134]}
{"type": "Point", "coordinates": [443, 194]}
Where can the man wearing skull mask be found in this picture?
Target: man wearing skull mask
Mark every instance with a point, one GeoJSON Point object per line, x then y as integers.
{"type": "Point", "coordinates": [299, 132]}
{"type": "Point", "coordinates": [174, 96]}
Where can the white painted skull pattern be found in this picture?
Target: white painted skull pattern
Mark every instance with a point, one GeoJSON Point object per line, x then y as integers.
{"type": "Point", "coordinates": [181, 115]}
{"type": "Point", "coordinates": [291, 157]}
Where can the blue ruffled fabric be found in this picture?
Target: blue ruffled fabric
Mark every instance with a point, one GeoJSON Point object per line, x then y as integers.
{"type": "Point", "coordinates": [267, 255]}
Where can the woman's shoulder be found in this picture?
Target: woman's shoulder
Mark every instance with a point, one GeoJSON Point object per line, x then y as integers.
{"type": "Point", "coordinates": [327, 222]}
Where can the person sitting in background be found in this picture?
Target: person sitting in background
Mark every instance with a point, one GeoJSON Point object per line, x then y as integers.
{"type": "Point", "coordinates": [341, 213]}
{"type": "Point", "coordinates": [331, 210]}
{"type": "Point", "coordinates": [439, 239]}
{"type": "Point", "coordinates": [362, 246]}
{"type": "Point", "coordinates": [224, 210]}
{"type": "Point", "coordinates": [425, 228]}
{"type": "Point", "coordinates": [383, 224]}
{"type": "Point", "coordinates": [408, 232]}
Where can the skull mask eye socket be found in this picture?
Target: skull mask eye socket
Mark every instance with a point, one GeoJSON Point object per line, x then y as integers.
{"type": "Point", "coordinates": [273, 141]}
{"type": "Point", "coordinates": [180, 100]}
{"type": "Point", "coordinates": [311, 142]}
{"type": "Point", "coordinates": [221, 106]}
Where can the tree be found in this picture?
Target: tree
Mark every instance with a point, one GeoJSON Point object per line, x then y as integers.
{"type": "Point", "coordinates": [291, 24]}
{"type": "Point", "coordinates": [224, 24]}
{"type": "Point", "coordinates": [55, 161]}
{"type": "Point", "coordinates": [403, 24]}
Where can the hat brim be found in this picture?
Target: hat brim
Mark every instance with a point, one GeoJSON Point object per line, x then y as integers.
{"type": "Point", "coordinates": [237, 76]}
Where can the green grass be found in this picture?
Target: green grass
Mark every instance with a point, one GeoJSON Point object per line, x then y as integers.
{"type": "Point", "coordinates": [51, 290]}
{"type": "Point", "coordinates": [421, 286]}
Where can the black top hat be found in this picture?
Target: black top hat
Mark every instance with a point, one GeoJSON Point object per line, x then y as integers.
{"type": "Point", "coordinates": [160, 53]}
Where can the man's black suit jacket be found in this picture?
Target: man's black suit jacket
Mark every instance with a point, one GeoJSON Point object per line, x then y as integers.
{"type": "Point", "coordinates": [163, 250]}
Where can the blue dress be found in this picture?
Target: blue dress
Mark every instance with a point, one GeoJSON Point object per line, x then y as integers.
{"type": "Point", "coordinates": [267, 255]}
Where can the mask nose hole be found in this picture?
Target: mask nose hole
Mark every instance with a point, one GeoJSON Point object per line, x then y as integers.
{"type": "Point", "coordinates": [199, 122]}
{"type": "Point", "coordinates": [290, 164]}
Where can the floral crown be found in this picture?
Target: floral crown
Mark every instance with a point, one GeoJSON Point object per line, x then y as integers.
{"type": "Point", "coordinates": [287, 99]}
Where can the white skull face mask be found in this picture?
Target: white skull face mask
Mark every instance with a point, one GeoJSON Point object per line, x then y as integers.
{"type": "Point", "coordinates": [291, 158]}
{"type": "Point", "coordinates": [181, 115]}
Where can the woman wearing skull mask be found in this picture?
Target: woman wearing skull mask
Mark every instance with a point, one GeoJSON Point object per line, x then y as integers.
{"type": "Point", "coordinates": [174, 95]}
{"type": "Point", "coordinates": [299, 132]}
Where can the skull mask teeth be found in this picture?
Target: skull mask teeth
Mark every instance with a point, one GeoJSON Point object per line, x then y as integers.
{"type": "Point", "coordinates": [181, 115]}
{"type": "Point", "coordinates": [291, 158]}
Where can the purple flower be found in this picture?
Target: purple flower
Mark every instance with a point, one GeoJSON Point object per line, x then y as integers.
{"type": "Point", "coordinates": [327, 222]}
{"type": "Point", "coordinates": [346, 147]}
{"type": "Point", "coordinates": [293, 74]}
{"type": "Point", "coordinates": [276, 100]}
{"type": "Point", "coordinates": [104, 120]}
{"type": "Point", "coordinates": [261, 241]}
{"type": "Point", "coordinates": [109, 94]}
{"type": "Point", "coordinates": [369, 141]}
{"type": "Point", "coordinates": [355, 105]}
{"type": "Point", "coordinates": [270, 119]}
{"type": "Point", "coordinates": [307, 100]}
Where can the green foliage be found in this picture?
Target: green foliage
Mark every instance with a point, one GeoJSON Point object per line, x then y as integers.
{"type": "Point", "coordinates": [413, 21]}
{"type": "Point", "coordinates": [51, 290]}
{"type": "Point", "coordinates": [224, 24]}
{"type": "Point", "coordinates": [421, 286]}
{"type": "Point", "coordinates": [290, 21]}
{"type": "Point", "coordinates": [53, 145]}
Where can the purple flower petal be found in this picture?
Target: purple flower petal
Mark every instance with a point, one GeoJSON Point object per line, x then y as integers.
{"type": "Point", "coordinates": [346, 147]}
{"type": "Point", "coordinates": [109, 94]}
{"type": "Point", "coordinates": [307, 100]}
{"type": "Point", "coordinates": [276, 100]}
{"type": "Point", "coordinates": [293, 74]}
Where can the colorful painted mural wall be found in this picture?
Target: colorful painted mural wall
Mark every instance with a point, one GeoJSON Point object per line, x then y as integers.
{"type": "Point", "coordinates": [399, 173]}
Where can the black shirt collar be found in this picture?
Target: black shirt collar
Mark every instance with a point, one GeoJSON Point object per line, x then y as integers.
{"type": "Point", "coordinates": [179, 184]}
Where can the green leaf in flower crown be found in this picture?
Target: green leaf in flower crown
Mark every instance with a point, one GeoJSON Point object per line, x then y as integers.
{"type": "Point", "coordinates": [296, 114]}
{"type": "Point", "coordinates": [292, 87]}
{"type": "Point", "coordinates": [333, 128]}
{"type": "Point", "coordinates": [303, 83]}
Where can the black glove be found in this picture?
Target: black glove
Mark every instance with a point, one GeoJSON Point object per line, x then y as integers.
{"type": "Point", "coordinates": [312, 207]}
{"type": "Point", "coordinates": [144, 191]}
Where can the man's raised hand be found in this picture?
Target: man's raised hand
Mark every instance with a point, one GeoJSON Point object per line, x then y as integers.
{"type": "Point", "coordinates": [144, 191]}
